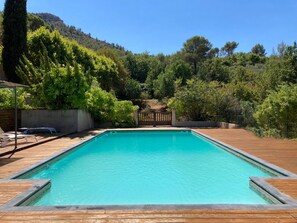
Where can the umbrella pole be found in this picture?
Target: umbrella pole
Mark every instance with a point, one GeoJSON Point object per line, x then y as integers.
{"type": "Point", "coordinates": [15, 122]}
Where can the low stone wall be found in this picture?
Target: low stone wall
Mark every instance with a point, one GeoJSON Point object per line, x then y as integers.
{"type": "Point", "coordinates": [84, 121]}
{"type": "Point", "coordinates": [104, 125]}
{"type": "Point", "coordinates": [7, 119]}
{"type": "Point", "coordinates": [226, 125]}
{"type": "Point", "coordinates": [65, 121]}
{"type": "Point", "coordinates": [205, 124]}
{"type": "Point", "coordinates": [198, 124]}
{"type": "Point", "coordinates": [201, 124]}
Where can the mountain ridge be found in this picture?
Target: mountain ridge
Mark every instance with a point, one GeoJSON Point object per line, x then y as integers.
{"type": "Point", "coordinates": [71, 32]}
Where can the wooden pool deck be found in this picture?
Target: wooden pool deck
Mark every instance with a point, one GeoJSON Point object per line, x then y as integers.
{"type": "Point", "coordinates": [279, 152]}
{"type": "Point", "coordinates": [282, 153]}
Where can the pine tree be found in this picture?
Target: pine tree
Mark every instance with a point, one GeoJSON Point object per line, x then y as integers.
{"type": "Point", "coordinates": [14, 36]}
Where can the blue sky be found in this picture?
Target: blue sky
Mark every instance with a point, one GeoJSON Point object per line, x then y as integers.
{"type": "Point", "coordinates": [162, 26]}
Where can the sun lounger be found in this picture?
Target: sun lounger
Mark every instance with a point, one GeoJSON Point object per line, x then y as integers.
{"type": "Point", "coordinates": [10, 136]}
{"type": "Point", "coordinates": [3, 140]}
{"type": "Point", "coordinates": [38, 130]}
{"type": "Point", "coordinates": [20, 136]}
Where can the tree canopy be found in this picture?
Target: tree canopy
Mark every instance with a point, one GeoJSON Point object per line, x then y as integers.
{"type": "Point", "coordinates": [229, 48]}
{"type": "Point", "coordinates": [14, 37]}
{"type": "Point", "coordinates": [196, 50]}
{"type": "Point", "coordinates": [259, 50]}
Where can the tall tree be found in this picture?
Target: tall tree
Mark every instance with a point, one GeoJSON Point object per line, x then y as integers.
{"type": "Point", "coordinates": [259, 50]}
{"type": "Point", "coordinates": [14, 36]}
{"type": "Point", "coordinates": [229, 48]}
{"type": "Point", "coordinates": [138, 66]}
{"type": "Point", "coordinates": [281, 49]}
{"type": "Point", "coordinates": [214, 52]}
{"type": "Point", "coordinates": [196, 50]}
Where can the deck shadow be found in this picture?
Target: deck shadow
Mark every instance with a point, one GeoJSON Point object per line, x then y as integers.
{"type": "Point", "coordinates": [6, 161]}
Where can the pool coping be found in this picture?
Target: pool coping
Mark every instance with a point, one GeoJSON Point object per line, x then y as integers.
{"type": "Point", "coordinates": [258, 183]}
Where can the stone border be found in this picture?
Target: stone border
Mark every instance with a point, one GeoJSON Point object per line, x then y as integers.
{"type": "Point", "coordinates": [38, 187]}
{"type": "Point", "coordinates": [257, 183]}
{"type": "Point", "coordinates": [269, 192]}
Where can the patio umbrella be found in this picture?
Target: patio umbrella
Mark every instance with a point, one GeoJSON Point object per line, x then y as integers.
{"type": "Point", "coordinates": [14, 86]}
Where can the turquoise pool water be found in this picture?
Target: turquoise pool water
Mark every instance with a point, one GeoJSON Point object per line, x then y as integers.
{"type": "Point", "coordinates": [149, 167]}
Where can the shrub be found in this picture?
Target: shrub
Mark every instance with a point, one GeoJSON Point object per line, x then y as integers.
{"type": "Point", "coordinates": [132, 89]}
{"type": "Point", "coordinates": [202, 101]}
{"type": "Point", "coordinates": [105, 107]}
{"type": "Point", "coordinates": [248, 109]}
{"type": "Point", "coordinates": [7, 99]}
{"type": "Point", "coordinates": [100, 104]}
{"type": "Point", "coordinates": [164, 85]}
{"type": "Point", "coordinates": [64, 88]}
{"type": "Point", "coordinates": [123, 114]}
{"type": "Point", "coordinates": [260, 132]}
{"type": "Point", "coordinates": [54, 86]}
{"type": "Point", "coordinates": [278, 111]}
{"type": "Point", "coordinates": [62, 51]}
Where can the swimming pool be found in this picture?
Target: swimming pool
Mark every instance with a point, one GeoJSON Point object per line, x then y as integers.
{"type": "Point", "coordinates": [148, 167]}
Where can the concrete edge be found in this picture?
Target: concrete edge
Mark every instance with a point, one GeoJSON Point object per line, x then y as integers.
{"type": "Point", "coordinates": [269, 191]}
{"type": "Point", "coordinates": [37, 187]}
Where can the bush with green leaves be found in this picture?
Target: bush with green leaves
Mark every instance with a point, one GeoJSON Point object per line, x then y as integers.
{"type": "Point", "coordinates": [203, 101]}
{"type": "Point", "coordinates": [277, 72]}
{"type": "Point", "coordinates": [277, 113]}
{"type": "Point", "coordinates": [7, 99]}
{"type": "Point", "coordinates": [214, 70]}
{"type": "Point", "coordinates": [165, 85]}
{"type": "Point", "coordinates": [176, 73]}
{"type": "Point", "coordinates": [123, 74]}
{"type": "Point", "coordinates": [248, 109]}
{"type": "Point", "coordinates": [132, 89]}
{"type": "Point", "coordinates": [60, 77]}
{"type": "Point", "coordinates": [180, 70]}
{"type": "Point", "coordinates": [54, 86]}
{"type": "Point", "coordinates": [192, 100]}
{"type": "Point", "coordinates": [62, 51]}
{"type": "Point", "coordinates": [105, 107]}
{"type": "Point", "coordinates": [64, 88]}
{"type": "Point", "coordinates": [100, 104]}
{"type": "Point", "coordinates": [138, 66]}
{"type": "Point", "coordinates": [123, 114]}
{"type": "Point", "coordinates": [157, 66]}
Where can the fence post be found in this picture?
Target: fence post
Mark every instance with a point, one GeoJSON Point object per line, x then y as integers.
{"type": "Point", "coordinates": [173, 117]}
{"type": "Point", "coordinates": [136, 118]}
{"type": "Point", "coordinates": [154, 119]}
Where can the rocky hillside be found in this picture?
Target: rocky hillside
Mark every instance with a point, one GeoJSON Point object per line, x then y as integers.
{"type": "Point", "coordinates": [71, 32]}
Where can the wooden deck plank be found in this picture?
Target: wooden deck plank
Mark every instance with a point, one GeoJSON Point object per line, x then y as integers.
{"type": "Point", "coordinates": [288, 187]}
{"type": "Point", "coordinates": [38, 153]}
{"type": "Point", "coordinates": [282, 153]}
{"type": "Point", "coordinates": [9, 190]}
{"type": "Point", "coordinates": [279, 152]}
{"type": "Point", "coordinates": [141, 216]}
